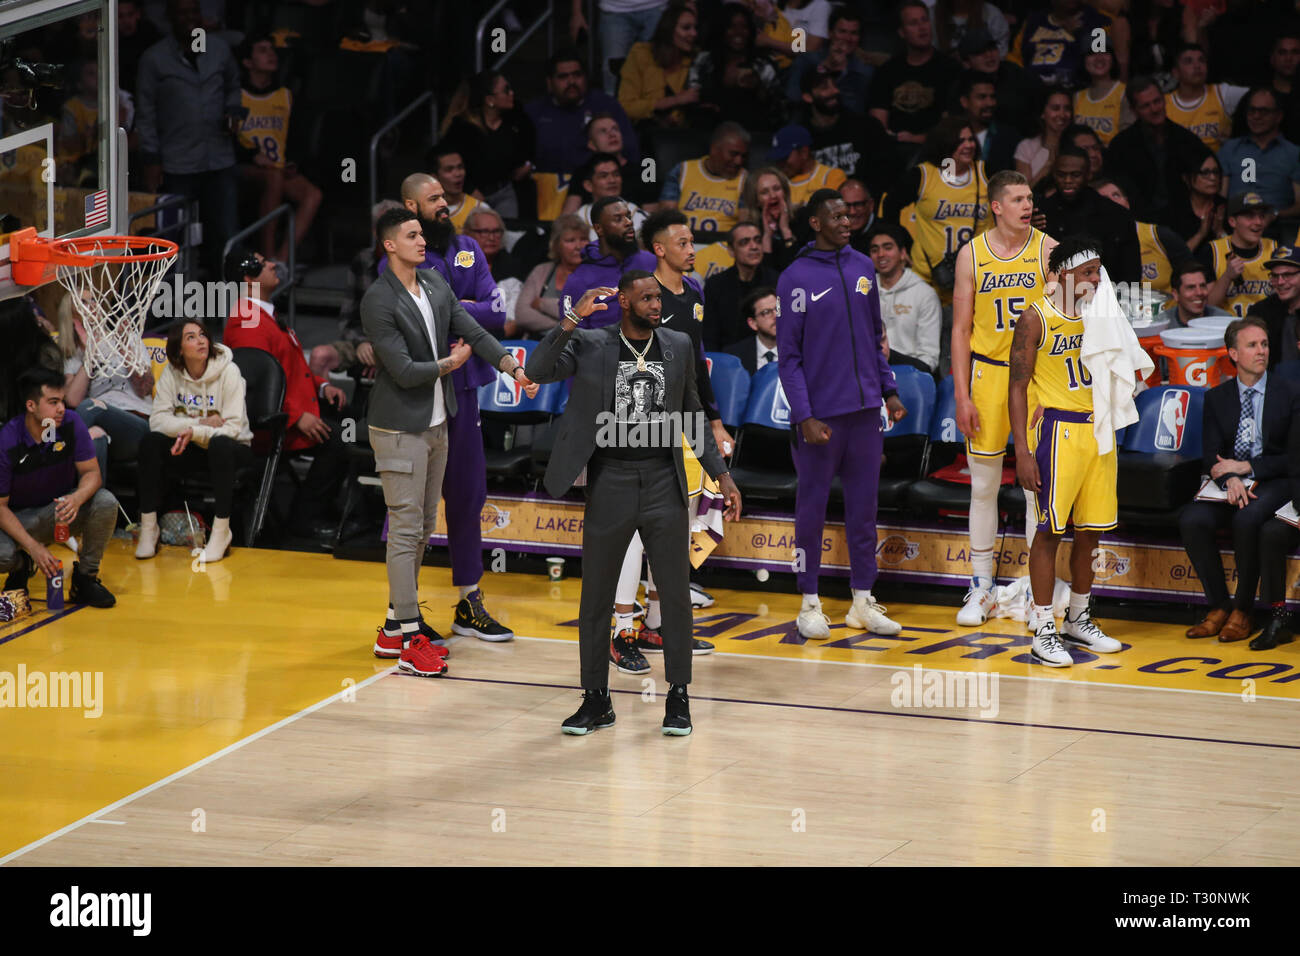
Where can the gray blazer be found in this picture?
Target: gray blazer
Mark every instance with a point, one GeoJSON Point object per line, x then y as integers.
{"type": "Point", "coordinates": [591, 355]}
{"type": "Point", "coordinates": [407, 373]}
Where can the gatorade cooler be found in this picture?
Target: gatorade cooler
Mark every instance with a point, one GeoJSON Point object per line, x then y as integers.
{"type": "Point", "coordinates": [1193, 356]}
{"type": "Point", "coordinates": [1149, 345]}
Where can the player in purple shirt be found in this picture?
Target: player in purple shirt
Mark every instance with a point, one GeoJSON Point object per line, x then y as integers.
{"type": "Point", "coordinates": [48, 475]}
{"type": "Point", "coordinates": [461, 262]}
{"type": "Point", "coordinates": [836, 378]}
{"type": "Point", "coordinates": [614, 252]}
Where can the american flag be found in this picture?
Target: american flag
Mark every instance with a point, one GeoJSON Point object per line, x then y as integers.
{"type": "Point", "coordinates": [97, 208]}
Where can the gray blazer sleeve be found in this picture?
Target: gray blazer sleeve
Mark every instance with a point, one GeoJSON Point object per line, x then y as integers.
{"type": "Point", "coordinates": [555, 357]}
{"type": "Point", "coordinates": [379, 322]}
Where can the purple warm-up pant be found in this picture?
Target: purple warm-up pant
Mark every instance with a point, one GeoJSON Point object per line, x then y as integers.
{"type": "Point", "coordinates": [853, 453]}
{"type": "Point", "coordinates": [464, 490]}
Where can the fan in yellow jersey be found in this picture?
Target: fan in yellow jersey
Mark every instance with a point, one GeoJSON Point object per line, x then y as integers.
{"type": "Point", "coordinates": [792, 152]}
{"type": "Point", "coordinates": [264, 137]}
{"type": "Point", "coordinates": [1101, 105]}
{"type": "Point", "coordinates": [1238, 258]}
{"type": "Point", "coordinates": [708, 189]}
{"type": "Point", "coordinates": [951, 195]}
{"type": "Point", "coordinates": [998, 274]}
{"type": "Point", "coordinates": [1203, 108]}
{"type": "Point", "coordinates": [1059, 462]}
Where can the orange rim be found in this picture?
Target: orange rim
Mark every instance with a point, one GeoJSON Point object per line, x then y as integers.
{"type": "Point", "coordinates": [34, 257]}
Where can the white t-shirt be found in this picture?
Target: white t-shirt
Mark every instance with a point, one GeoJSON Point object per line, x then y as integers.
{"type": "Point", "coordinates": [426, 310]}
{"type": "Point", "coordinates": [815, 18]}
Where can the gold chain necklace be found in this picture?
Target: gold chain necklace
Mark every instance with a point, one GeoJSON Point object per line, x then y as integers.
{"type": "Point", "coordinates": [640, 356]}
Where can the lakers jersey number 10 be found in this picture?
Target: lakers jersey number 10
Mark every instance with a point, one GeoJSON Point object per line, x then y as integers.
{"type": "Point", "coordinates": [1060, 380]}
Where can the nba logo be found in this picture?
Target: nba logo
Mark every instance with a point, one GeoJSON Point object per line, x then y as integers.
{"type": "Point", "coordinates": [886, 423]}
{"type": "Point", "coordinates": [780, 406]}
{"type": "Point", "coordinates": [1173, 420]}
{"type": "Point", "coordinates": [508, 391]}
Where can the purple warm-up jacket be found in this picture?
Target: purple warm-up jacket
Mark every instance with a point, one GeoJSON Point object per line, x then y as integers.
{"type": "Point", "coordinates": [466, 270]}
{"type": "Point", "coordinates": [828, 335]}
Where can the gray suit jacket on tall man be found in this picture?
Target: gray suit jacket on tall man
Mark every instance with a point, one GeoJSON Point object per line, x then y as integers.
{"type": "Point", "coordinates": [591, 355]}
{"type": "Point", "coordinates": [402, 398]}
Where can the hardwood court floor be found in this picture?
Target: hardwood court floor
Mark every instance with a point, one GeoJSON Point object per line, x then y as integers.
{"type": "Point", "coordinates": [244, 722]}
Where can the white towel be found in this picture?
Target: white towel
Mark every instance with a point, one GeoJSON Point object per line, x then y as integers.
{"type": "Point", "coordinates": [1116, 362]}
{"type": "Point", "coordinates": [1016, 599]}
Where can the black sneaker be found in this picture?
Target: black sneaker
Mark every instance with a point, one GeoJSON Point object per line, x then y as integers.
{"type": "Point", "coordinates": [86, 589]}
{"type": "Point", "coordinates": [472, 619]}
{"type": "Point", "coordinates": [624, 655]}
{"type": "Point", "coordinates": [434, 637]}
{"type": "Point", "coordinates": [677, 712]}
{"type": "Point", "coordinates": [18, 577]}
{"type": "Point", "coordinates": [699, 647]}
{"type": "Point", "coordinates": [596, 713]}
{"type": "Point", "coordinates": [650, 641]}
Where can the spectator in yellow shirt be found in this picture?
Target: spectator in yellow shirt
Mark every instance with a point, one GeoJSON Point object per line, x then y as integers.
{"type": "Point", "coordinates": [652, 85]}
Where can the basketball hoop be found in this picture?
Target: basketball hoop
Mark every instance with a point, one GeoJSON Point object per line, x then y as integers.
{"type": "Point", "coordinates": [112, 281]}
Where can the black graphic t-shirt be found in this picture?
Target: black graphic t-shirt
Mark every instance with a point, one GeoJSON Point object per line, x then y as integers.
{"type": "Point", "coordinates": [685, 313]}
{"type": "Point", "coordinates": [637, 430]}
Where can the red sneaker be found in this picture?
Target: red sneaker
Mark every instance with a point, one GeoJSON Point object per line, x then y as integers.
{"type": "Point", "coordinates": [648, 640]}
{"type": "Point", "coordinates": [421, 659]}
{"type": "Point", "coordinates": [392, 647]}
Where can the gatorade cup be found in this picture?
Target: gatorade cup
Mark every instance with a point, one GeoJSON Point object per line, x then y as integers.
{"type": "Point", "coordinates": [54, 589]}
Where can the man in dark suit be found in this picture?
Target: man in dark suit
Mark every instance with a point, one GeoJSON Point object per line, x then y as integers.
{"type": "Point", "coordinates": [635, 476]}
{"type": "Point", "coordinates": [1277, 539]}
{"type": "Point", "coordinates": [1247, 420]}
{"type": "Point", "coordinates": [725, 290]}
{"type": "Point", "coordinates": [759, 311]}
{"type": "Point", "coordinates": [407, 315]}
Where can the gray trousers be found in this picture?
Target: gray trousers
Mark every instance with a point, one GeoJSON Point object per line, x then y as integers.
{"type": "Point", "coordinates": [410, 466]}
{"type": "Point", "coordinates": [623, 497]}
{"type": "Point", "coordinates": [92, 527]}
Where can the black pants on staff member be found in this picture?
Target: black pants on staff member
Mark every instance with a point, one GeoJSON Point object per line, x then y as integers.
{"type": "Point", "coordinates": [624, 496]}
{"type": "Point", "coordinates": [1199, 525]}
{"type": "Point", "coordinates": [1277, 540]}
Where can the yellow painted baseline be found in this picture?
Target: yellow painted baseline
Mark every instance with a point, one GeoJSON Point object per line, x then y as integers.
{"type": "Point", "coordinates": [193, 662]}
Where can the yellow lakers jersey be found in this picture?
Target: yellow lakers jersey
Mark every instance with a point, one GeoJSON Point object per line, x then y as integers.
{"type": "Point", "coordinates": [80, 122]}
{"type": "Point", "coordinates": [1003, 287]}
{"type": "Point", "coordinates": [1252, 285]}
{"type": "Point", "coordinates": [946, 216]}
{"type": "Point", "coordinates": [1208, 119]}
{"type": "Point", "coordinates": [821, 177]}
{"type": "Point", "coordinates": [552, 190]}
{"type": "Point", "coordinates": [459, 214]}
{"type": "Point", "coordinates": [266, 127]}
{"type": "Point", "coordinates": [711, 258]}
{"type": "Point", "coordinates": [709, 201]}
{"type": "Point", "coordinates": [1156, 268]}
{"type": "Point", "coordinates": [1060, 380]}
{"type": "Point", "coordinates": [1101, 116]}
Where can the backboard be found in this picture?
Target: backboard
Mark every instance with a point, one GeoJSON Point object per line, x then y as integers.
{"type": "Point", "coordinates": [62, 157]}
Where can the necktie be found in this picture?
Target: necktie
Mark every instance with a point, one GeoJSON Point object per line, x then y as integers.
{"type": "Point", "coordinates": [769, 356]}
{"type": "Point", "coordinates": [1246, 426]}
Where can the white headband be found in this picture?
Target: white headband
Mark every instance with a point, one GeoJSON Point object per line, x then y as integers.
{"type": "Point", "coordinates": [1075, 261]}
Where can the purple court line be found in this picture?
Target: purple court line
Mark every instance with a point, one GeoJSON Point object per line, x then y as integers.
{"type": "Point", "coordinates": [49, 620]}
{"type": "Point", "coordinates": [893, 713]}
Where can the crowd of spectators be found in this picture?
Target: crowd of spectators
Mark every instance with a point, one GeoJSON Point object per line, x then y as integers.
{"type": "Point", "coordinates": [1163, 129]}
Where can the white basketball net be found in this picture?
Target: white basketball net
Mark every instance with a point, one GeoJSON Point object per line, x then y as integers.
{"type": "Point", "coordinates": [112, 297]}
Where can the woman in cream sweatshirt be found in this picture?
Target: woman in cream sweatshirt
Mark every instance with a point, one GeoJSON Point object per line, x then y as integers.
{"type": "Point", "coordinates": [198, 418]}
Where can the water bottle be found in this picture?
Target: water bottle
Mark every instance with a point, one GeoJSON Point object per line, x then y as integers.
{"type": "Point", "coordinates": [61, 530]}
{"type": "Point", "coordinates": [54, 589]}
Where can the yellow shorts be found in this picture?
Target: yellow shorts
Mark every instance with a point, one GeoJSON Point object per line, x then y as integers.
{"type": "Point", "coordinates": [989, 383]}
{"type": "Point", "coordinates": [1075, 480]}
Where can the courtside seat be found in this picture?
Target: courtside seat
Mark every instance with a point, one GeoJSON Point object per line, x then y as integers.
{"type": "Point", "coordinates": [907, 442]}
{"type": "Point", "coordinates": [730, 384]}
{"type": "Point", "coordinates": [503, 403]}
{"type": "Point", "coordinates": [762, 465]}
{"type": "Point", "coordinates": [1159, 464]}
{"type": "Point", "coordinates": [947, 485]}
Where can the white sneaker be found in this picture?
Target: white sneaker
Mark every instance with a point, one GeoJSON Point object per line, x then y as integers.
{"type": "Point", "coordinates": [1084, 632]}
{"type": "Point", "coordinates": [813, 624]}
{"type": "Point", "coordinates": [980, 603]}
{"type": "Point", "coordinates": [1047, 647]}
{"type": "Point", "coordinates": [700, 597]}
{"type": "Point", "coordinates": [867, 615]}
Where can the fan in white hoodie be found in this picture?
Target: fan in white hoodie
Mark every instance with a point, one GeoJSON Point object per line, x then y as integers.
{"type": "Point", "coordinates": [180, 402]}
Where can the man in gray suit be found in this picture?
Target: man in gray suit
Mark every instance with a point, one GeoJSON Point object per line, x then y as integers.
{"type": "Point", "coordinates": [635, 476]}
{"type": "Point", "coordinates": [406, 313]}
